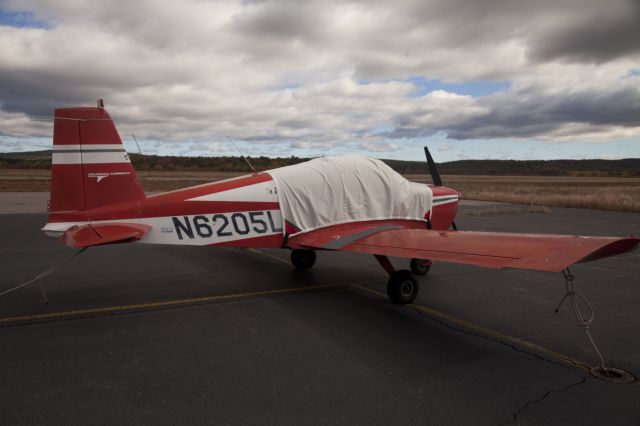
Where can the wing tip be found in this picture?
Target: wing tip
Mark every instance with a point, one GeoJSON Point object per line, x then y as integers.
{"type": "Point", "coordinates": [620, 246]}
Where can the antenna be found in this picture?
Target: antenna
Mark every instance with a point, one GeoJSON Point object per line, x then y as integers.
{"type": "Point", "coordinates": [136, 141]}
{"type": "Point", "coordinates": [140, 151]}
{"type": "Point", "coordinates": [242, 156]}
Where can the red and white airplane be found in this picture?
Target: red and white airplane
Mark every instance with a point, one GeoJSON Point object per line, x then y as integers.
{"type": "Point", "coordinates": [346, 203]}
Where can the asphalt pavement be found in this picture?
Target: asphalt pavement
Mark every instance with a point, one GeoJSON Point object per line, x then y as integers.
{"type": "Point", "coordinates": [138, 334]}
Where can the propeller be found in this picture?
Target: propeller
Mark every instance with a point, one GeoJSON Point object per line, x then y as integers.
{"type": "Point", "coordinates": [435, 176]}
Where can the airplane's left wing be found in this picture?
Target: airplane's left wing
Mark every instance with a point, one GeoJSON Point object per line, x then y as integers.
{"type": "Point", "coordinates": [540, 252]}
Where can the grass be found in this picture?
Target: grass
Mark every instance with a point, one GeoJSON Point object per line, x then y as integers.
{"type": "Point", "coordinates": [617, 194]}
{"type": "Point", "coordinates": [599, 196]}
{"type": "Point", "coordinates": [507, 209]}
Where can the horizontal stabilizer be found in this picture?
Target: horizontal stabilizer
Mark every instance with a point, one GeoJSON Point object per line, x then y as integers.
{"type": "Point", "coordinates": [539, 252]}
{"type": "Point", "coordinates": [95, 235]}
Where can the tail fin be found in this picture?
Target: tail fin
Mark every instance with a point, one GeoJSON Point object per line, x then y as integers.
{"type": "Point", "coordinates": [90, 167]}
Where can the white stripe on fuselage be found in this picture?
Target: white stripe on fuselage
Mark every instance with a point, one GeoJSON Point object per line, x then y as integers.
{"type": "Point", "coordinates": [444, 199]}
{"type": "Point", "coordinates": [194, 230]}
{"type": "Point", "coordinates": [262, 192]}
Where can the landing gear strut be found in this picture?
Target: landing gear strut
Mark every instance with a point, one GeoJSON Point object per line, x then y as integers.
{"type": "Point", "coordinates": [402, 287]}
{"type": "Point", "coordinates": [303, 259]}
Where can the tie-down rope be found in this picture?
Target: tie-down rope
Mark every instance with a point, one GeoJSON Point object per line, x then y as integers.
{"type": "Point", "coordinates": [44, 274]}
{"type": "Point", "coordinates": [573, 295]}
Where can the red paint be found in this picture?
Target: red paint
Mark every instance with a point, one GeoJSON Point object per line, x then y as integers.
{"type": "Point", "coordinates": [321, 237]}
{"type": "Point", "coordinates": [268, 241]}
{"type": "Point", "coordinates": [120, 184]}
{"type": "Point", "coordinates": [67, 192]}
{"type": "Point", "coordinates": [385, 263]}
{"type": "Point", "coordinates": [95, 235]}
{"type": "Point", "coordinates": [79, 187]}
{"type": "Point", "coordinates": [551, 253]}
{"type": "Point", "coordinates": [442, 216]}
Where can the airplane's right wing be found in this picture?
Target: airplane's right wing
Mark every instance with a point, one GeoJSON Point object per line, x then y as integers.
{"type": "Point", "coordinates": [540, 252]}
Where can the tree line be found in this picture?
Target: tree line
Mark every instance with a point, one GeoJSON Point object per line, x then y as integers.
{"type": "Point", "coordinates": [602, 168]}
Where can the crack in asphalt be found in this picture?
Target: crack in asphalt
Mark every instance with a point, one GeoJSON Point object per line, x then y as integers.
{"type": "Point", "coordinates": [515, 415]}
{"type": "Point", "coordinates": [529, 403]}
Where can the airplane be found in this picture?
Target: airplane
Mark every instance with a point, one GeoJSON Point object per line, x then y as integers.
{"type": "Point", "coordinates": [343, 203]}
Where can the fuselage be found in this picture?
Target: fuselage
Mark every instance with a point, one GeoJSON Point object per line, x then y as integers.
{"type": "Point", "coordinates": [241, 212]}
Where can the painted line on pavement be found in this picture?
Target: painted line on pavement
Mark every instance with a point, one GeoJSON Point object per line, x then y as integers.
{"type": "Point", "coordinates": [152, 305]}
{"type": "Point", "coordinates": [492, 334]}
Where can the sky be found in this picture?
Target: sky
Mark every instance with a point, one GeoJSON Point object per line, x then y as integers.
{"type": "Point", "coordinates": [500, 79]}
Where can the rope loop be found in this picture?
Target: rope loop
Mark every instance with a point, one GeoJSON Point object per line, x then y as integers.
{"type": "Point", "coordinates": [574, 296]}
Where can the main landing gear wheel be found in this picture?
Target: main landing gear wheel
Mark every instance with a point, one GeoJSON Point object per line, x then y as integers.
{"type": "Point", "coordinates": [420, 266]}
{"type": "Point", "coordinates": [303, 259]}
{"type": "Point", "coordinates": [402, 287]}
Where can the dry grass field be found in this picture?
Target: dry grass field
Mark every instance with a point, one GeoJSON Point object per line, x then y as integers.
{"type": "Point", "coordinates": [618, 194]}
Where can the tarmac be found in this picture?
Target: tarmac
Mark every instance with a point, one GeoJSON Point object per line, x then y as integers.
{"type": "Point", "coordinates": [140, 334]}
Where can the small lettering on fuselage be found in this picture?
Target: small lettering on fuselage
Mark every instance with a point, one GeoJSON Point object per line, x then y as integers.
{"type": "Point", "coordinates": [226, 225]}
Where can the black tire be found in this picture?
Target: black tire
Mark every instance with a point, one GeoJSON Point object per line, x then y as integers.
{"type": "Point", "coordinates": [420, 266]}
{"type": "Point", "coordinates": [303, 259]}
{"type": "Point", "coordinates": [402, 287]}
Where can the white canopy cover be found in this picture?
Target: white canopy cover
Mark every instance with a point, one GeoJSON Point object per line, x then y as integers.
{"type": "Point", "coordinates": [347, 188]}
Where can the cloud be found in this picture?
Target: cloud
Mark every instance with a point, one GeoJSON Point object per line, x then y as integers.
{"type": "Point", "coordinates": [326, 76]}
{"type": "Point", "coordinates": [601, 113]}
{"type": "Point", "coordinates": [219, 147]}
{"type": "Point", "coordinates": [581, 38]}
{"type": "Point", "coordinates": [611, 157]}
{"type": "Point", "coordinates": [378, 147]}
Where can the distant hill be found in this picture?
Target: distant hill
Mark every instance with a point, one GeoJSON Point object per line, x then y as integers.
{"type": "Point", "coordinates": [629, 167]}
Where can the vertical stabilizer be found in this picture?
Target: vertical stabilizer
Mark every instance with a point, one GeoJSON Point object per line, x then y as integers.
{"type": "Point", "coordinates": [90, 166]}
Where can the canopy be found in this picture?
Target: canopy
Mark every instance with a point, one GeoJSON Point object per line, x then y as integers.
{"type": "Point", "coordinates": [347, 188]}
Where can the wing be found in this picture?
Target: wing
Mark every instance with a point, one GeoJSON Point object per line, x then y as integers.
{"type": "Point", "coordinates": [95, 235]}
{"type": "Point", "coordinates": [551, 253]}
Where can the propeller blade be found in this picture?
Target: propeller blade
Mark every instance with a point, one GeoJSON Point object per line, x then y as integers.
{"type": "Point", "coordinates": [435, 176]}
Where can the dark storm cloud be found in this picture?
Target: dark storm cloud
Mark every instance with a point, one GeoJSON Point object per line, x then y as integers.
{"type": "Point", "coordinates": [600, 36]}
{"type": "Point", "coordinates": [529, 115]}
{"type": "Point", "coordinates": [282, 20]}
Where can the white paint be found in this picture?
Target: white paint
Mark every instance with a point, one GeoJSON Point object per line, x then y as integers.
{"type": "Point", "coordinates": [347, 188]}
{"type": "Point", "coordinates": [101, 175]}
{"type": "Point", "coordinates": [259, 192]}
{"type": "Point", "coordinates": [444, 199]}
{"type": "Point", "coordinates": [90, 157]}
